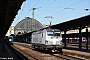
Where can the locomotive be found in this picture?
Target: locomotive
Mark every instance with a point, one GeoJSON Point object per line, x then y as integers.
{"type": "Point", "coordinates": [9, 40]}
{"type": "Point", "coordinates": [47, 40]}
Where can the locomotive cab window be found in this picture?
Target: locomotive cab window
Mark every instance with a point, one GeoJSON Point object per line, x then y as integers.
{"type": "Point", "coordinates": [53, 33]}
{"type": "Point", "coordinates": [56, 33]}
{"type": "Point", "coordinates": [50, 33]}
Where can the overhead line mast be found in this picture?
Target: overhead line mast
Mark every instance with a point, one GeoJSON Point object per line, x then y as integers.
{"type": "Point", "coordinates": [33, 27]}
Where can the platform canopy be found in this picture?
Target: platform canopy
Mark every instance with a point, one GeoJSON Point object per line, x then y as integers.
{"type": "Point", "coordinates": [81, 22]}
{"type": "Point", "coordinates": [8, 11]}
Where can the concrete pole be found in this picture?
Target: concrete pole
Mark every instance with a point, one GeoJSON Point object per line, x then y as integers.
{"type": "Point", "coordinates": [87, 39]}
{"type": "Point", "coordinates": [64, 38]}
{"type": "Point", "coordinates": [33, 25]}
{"type": "Point", "coordinates": [80, 39]}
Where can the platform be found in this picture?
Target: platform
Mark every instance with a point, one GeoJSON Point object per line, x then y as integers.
{"type": "Point", "coordinates": [6, 53]}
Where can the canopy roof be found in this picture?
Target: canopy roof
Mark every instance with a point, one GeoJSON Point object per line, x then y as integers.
{"type": "Point", "coordinates": [8, 11]}
{"type": "Point", "coordinates": [81, 22]}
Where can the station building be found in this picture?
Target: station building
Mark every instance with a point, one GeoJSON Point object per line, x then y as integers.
{"type": "Point", "coordinates": [26, 25]}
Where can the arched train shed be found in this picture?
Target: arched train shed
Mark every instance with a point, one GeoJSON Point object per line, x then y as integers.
{"type": "Point", "coordinates": [27, 25]}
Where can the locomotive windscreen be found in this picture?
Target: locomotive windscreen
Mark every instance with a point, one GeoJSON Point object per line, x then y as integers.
{"type": "Point", "coordinates": [53, 32]}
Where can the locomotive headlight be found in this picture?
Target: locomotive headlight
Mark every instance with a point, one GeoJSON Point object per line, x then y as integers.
{"type": "Point", "coordinates": [57, 46]}
{"type": "Point", "coordinates": [10, 39]}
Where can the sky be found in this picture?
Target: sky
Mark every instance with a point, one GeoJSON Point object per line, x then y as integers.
{"type": "Point", "coordinates": [60, 10]}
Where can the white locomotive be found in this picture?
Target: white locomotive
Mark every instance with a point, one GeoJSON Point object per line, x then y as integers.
{"type": "Point", "coordinates": [48, 40]}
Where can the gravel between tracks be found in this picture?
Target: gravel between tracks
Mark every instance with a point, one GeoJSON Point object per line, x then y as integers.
{"type": "Point", "coordinates": [79, 53]}
{"type": "Point", "coordinates": [46, 56]}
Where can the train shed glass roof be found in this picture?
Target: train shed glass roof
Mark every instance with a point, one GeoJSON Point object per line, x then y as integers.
{"type": "Point", "coordinates": [27, 25]}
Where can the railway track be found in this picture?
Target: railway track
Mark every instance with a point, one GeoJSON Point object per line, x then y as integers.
{"type": "Point", "coordinates": [77, 46]}
{"type": "Point", "coordinates": [15, 54]}
{"type": "Point", "coordinates": [67, 57]}
{"type": "Point", "coordinates": [25, 53]}
{"type": "Point", "coordinates": [26, 50]}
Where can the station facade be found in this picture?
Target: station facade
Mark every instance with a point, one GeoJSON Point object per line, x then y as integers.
{"type": "Point", "coordinates": [25, 26]}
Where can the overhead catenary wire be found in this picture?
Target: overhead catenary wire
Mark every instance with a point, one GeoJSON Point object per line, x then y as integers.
{"type": "Point", "coordinates": [18, 17]}
{"type": "Point", "coordinates": [64, 8]}
{"type": "Point", "coordinates": [33, 6]}
{"type": "Point", "coordinates": [47, 7]}
{"type": "Point", "coordinates": [28, 11]}
{"type": "Point", "coordinates": [68, 7]}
